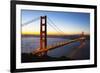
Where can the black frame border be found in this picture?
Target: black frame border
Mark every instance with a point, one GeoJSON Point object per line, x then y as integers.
{"type": "Point", "coordinates": [13, 35]}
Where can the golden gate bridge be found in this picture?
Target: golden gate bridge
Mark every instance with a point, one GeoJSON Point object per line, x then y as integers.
{"type": "Point", "coordinates": [42, 51]}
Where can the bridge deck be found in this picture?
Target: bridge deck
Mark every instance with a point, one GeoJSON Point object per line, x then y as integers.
{"type": "Point", "coordinates": [57, 45]}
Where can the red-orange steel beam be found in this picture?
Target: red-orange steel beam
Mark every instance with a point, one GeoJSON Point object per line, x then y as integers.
{"type": "Point", "coordinates": [43, 34]}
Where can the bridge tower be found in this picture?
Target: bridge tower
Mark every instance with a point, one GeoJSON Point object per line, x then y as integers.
{"type": "Point", "coordinates": [43, 34]}
{"type": "Point", "coordinates": [82, 36]}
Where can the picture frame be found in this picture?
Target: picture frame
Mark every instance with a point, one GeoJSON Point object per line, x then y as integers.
{"type": "Point", "coordinates": [19, 13]}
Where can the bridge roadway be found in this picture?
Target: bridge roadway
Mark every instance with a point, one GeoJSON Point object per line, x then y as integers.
{"type": "Point", "coordinates": [58, 45]}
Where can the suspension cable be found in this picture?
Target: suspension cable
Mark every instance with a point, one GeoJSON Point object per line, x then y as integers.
{"type": "Point", "coordinates": [33, 20]}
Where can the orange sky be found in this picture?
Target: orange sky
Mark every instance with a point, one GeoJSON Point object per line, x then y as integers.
{"type": "Point", "coordinates": [50, 33]}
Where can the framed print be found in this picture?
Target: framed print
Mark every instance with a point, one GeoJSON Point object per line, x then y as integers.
{"type": "Point", "coordinates": [51, 36]}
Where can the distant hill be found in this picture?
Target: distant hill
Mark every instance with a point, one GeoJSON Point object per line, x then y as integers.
{"type": "Point", "coordinates": [58, 36]}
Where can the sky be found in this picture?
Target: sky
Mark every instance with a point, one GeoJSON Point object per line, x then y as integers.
{"type": "Point", "coordinates": [68, 22]}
